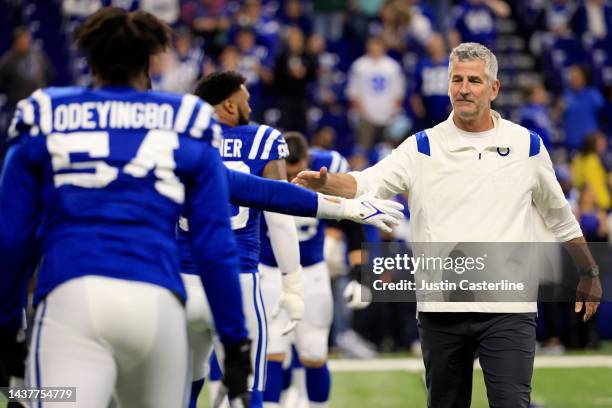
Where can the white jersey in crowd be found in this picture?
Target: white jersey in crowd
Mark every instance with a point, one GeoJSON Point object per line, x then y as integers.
{"type": "Point", "coordinates": [378, 83]}
{"type": "Point", "coordinates": [461, 192]}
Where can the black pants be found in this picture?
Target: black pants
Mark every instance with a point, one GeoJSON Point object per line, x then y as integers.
{"type": "Point", "coordinates": [504, 343]}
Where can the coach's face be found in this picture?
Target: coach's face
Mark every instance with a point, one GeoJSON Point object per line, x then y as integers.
{"type": "Point", "coordinates": [470, 89]}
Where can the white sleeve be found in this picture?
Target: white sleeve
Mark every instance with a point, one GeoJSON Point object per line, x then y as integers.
{"type": "Point", "coordinates": [550, 201]}
{"type": "Point", "coordinates": [284, 241]}
{"type": "Point", "coordinates": [390, 176]}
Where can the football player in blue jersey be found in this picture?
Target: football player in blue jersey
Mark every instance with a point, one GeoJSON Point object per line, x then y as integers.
{"type": "Point", "coordinates": [258, 150]}
{"type": "Point", "coordinates": [109, 169]}
{"type": "Point", "coordinates": [311, 334]}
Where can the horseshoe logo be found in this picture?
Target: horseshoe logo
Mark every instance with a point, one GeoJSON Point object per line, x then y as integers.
{"type": "Point", "coordinates": [504, 151]}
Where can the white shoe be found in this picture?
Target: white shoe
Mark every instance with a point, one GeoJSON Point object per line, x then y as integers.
{"type": "Point", "coordinates": [354, 346]}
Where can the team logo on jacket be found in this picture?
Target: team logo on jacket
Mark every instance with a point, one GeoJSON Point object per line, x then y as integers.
{"type": "Point", "coordinates": [503, 151]}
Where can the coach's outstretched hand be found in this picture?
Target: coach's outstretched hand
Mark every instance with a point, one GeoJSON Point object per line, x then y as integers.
{"type": "Point", "coordinates": [236, 373]}
{"type": "Point", "coordinates": [312, 180]}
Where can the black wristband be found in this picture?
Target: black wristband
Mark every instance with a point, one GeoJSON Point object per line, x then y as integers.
{"type": "Point", "coordinates": [355, 273]}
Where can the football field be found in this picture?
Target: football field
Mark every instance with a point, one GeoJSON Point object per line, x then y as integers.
{"type": "Point", "coordinates": [577, 381]}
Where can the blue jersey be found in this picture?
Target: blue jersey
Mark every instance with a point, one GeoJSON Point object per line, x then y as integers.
{"type": "Point", "coordinates": [246, 149]}
{"type": "Point", "coordinates": [431, 82]}
{"type": "Point", "coordinates": [249, 149]}
{"type": "Point", "coordinates": [109, 170]}
{"type": "Point", "coordinates": [475, 23]}
{"type": "Point", "coordinates": [311, 231]}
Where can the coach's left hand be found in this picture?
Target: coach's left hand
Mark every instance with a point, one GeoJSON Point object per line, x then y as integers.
{"type": "Point", "coordinates": [588, 294]}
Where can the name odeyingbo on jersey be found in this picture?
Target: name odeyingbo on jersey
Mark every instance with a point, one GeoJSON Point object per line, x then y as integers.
{"type": "Point", "coordinates": [113, 114]}
{"type": "Point", "coordinates": [70, 115]}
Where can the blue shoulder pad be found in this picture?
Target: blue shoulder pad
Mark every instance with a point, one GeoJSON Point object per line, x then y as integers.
{"type": "Point", "coordinates": [423, 143]}
{"type": "Point", "coordinates": [534, 143]}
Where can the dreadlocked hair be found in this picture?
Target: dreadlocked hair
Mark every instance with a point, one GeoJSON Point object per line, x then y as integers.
{"type": "Point", "coordinates": [119, 44]}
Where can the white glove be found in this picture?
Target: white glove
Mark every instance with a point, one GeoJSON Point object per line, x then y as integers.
{"type": "Point", "coordinates": [334, 251]}
{"type": "Point", "coordinates": [357, 296]}
{"type": "Point", "coordinates": [292, 299]}
{"type": "Point", "coordinates": [367, 209]}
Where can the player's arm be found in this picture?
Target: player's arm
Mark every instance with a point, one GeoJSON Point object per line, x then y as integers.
{"type": "Point", "coordinates": [273, 195]}
{"type": "Point", "coordinates": [551, 203]}
{"type": "Point", "coordinates": [19, 219]}
{"type": "Point", "coordinates": [390, 176]}
{"type": "Point", "coordinates": [215, 253]}
{"type": "Point", "coordinates": [214, 247]}
{"type": "Point", "coordinates": [286, 248]}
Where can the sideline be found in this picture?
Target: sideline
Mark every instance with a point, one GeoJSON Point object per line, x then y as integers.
{"type": "Point", "coordinates": [416, 364]}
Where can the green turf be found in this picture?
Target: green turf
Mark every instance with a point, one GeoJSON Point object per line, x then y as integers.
{"type": "Point", "coordinates": [553, 387]}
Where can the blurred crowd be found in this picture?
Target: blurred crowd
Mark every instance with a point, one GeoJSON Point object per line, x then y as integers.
{"type": "Point", "coordinates": [360, 76]}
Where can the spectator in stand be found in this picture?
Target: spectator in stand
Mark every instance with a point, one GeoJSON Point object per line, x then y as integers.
{"type": "Point", "coordinates": [329, 79]}
{"type": "Point", "coordinates": [593, 220]}
{"type": "Point", "coordinates": [329, 18]}
{"type": "Point", "coordinates": [426, 10]}
{"type": "Point", "coordinates": [606, 113]}
{"type": "Point", "coordinates": [558, 15]}
{"type": "Point", "coordinates": [294, 70]}
{"type": "Point", "coordinates": [593, 17]}
{"type": "Point", "coordinates": [580, 104]}
{"type": "Point", "coordinates": [587, 168]}
{"type": "Point", "coordinates": [376, 90]}
{"type": "Point", "coordinates": [182, 66]}
{"type": "Point", "coordinates": [474, 21]}
{"type": "Point", "coordinates": [229, 60]}
{"type": "Point", "coordinates": [429, 100]}
{"type": "Point", "coordinates": [363, 12]}
{"type": "Point", "coordinates": [257, 66]}
{"type": "Point", "coordinates": [401, 26]}
{"type": "Point", "coordinates": [23, 69]}
{"type": "Point", "coordinates": [209, 19]}
{"type": "Point", "coordinates": [324, 138]}
{"type": "Point", "coordinates": [535, 115]}
{"type": "Point", "coordinates": [564, 176]}
{"type": "Point", "coordinates": [329, 96]}
{"type": "Point", "coordinates": [251, 15]}
{"type": "Point", "coordinates": [293, 15]}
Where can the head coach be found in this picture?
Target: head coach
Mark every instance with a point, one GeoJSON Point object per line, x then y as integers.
{"type": "Point", "coordinates": [475, 178]}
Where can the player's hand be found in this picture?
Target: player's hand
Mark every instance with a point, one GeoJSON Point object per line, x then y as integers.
{"type": "Point", "coordinates": [367, 209]}
{"type": "Point", "coordinates": [236, 373]}
{"type": "Point", "coordinates": [312, 180]}
{"type": "Point", "coordinates": [292, 300]}
{"type": "Point", "coordinates": [356, 296]}
{"type": "Point", "coordinates": [588, 294]}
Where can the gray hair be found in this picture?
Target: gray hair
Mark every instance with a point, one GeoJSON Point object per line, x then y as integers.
{"type": "Point", "coordinates": [475, 51]}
